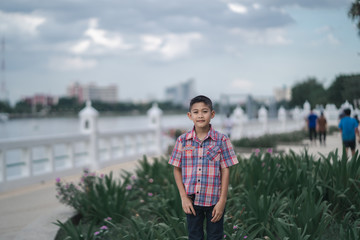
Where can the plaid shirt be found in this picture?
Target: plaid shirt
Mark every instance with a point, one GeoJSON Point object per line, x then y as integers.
{"type": "Point", "coordinates": [201, 164]}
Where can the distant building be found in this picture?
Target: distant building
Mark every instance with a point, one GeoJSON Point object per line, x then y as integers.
{"type": "Point", "coordinates": [282, 94]}
{"type": "Point", "coordinates": [108, 94]}
{"type": "Point", "coordinates": [182, 93]}
{"type": "Point", "coordinates": [41, 99]}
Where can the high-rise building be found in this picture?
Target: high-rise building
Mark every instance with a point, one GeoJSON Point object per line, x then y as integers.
{"type": "Point", "coordinates": [41, 99]}
{"type": "Point", "coordinates": [283, 93]}
{"type": "Point", "coordinates": [108, 94]}
{"type": "Point", "coordinates": [182, 93]}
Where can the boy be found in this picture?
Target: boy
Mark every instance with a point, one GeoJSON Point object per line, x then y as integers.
{"type": "Point", "coordinates": [201, 160]}
{"type": "Point", "coordinates": [349, 129]}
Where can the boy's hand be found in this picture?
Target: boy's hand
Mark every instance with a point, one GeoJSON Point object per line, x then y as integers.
{"type": "Point", "coordinates": [218, 211]}
{"type": "Point", "coordinates": [187, 205]}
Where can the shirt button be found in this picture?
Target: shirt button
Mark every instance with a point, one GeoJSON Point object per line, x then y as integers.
{"type": "Point", "coordinates": [197, 192]}
{"type": "Point", "coordinates": [198, 180]}
{"type": "Point", "coordinates": [200, 157]}
{"type": "Point", "coordinates": [199, 169]}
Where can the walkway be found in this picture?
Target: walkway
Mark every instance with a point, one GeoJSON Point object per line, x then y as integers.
{"type": "Point", "coordinates": [29, 213]}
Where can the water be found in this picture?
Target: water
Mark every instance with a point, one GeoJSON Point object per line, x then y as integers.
{"type": "Point", "coordinates": [19, 128]}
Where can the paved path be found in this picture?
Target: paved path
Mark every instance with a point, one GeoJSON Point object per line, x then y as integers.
{"type": "Point", "coordinates": [29, 213]}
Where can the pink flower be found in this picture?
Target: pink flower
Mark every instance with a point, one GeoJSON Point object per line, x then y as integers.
{"type": "Point", "coordinates": [150, 194]}
{"type": "Point", "coordinates": [57, 179]}
{"type": "Point", "coordinates": [96, 233]}
{"type": "Point", "coordinates": [245, 237]}
{"type": "Point", "coordinates": [108, 219]}
{"type": "Point", "coordinates": [133, 177]}
{"type": "Point", "coordinates": [257, 151]}
{"type": "Point", "coordinates": [151, 180]}
{"type": "Point", "coordinates": [128, 187]}
{"type": "Point", "coordinates": [104, 227]}
{"type": "Point", "coordinates": [270, 150]}
{"type": "Point", "coordinates": [235, 227]}
{"type": "Point", "coordinates": [224, 236]}
{"type": "Point", "coordinates": [102, 175]}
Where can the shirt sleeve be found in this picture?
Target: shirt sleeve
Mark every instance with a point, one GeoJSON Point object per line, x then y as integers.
{"type": "Point", "coordinates": [340, 124]}
{"type": "Point", "coordinates": [175, 158]}
{"type": "Point", "coordinates": [228, 154]}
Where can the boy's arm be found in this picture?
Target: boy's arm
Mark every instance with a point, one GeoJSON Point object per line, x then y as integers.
{"type": "Point", "coordinates": [218, 210]}
{"type": "Point", "coordinates": [186, 202]}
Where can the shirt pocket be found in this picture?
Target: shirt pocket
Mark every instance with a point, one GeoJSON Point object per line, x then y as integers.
{"type": "Point", "coordinates": [213, 153]}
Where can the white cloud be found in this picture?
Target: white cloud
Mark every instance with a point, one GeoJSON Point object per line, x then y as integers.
{"type": "Point", "coordinates": [151, 43]}
{"type": "Point", "coordinates": [169, 46]}
{"type": "Point", "coordinates": [256, 6]}
{"type": "Point", "coordinates": [242, 84]}
{"type": "Point", "coordinates": [71, 64]}
{"type": "Point", "coordinates": [19, 22]}
{"type": "Point", "coordinates": [237, 8]}
{"type": "Point", "coordinates": [269, 36]}
{"type": "Point", "coordinates": [99, 41]}
{"type": "Point", "coordinates": [81, 46]}
{"type": "Point", "coordinates": [105, 38]}
{"type": "Point", "coordinates": [326, 36]}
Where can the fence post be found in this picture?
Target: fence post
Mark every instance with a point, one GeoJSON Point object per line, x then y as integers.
{"type": "Point", "coordinates": [154, 114]}
{"type": "Point", "coordinates": [263, 118]}
{"type": "Point", "coordinates": [238, 116]}
{"type": "Point", "coordinates": [88, 125]}
{"type": "Point", "coordinates": [282, 118]}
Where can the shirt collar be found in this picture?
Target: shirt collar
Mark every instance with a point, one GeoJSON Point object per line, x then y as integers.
{"type": "Point", "coordinates": [211, 134]}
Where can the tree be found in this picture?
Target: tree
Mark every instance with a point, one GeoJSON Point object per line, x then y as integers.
{"type": "Point", "coordinates": [5, 107]}
{"type": "Point", "coordinates": [309, 90]}
{"type": "Point", "coordinates": [354, 13]}
{"type": "Point", "coordinates": [344, 88]}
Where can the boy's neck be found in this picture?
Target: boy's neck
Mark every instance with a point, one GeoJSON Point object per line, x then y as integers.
{"type": "Point", "coordinates": [202, 132]}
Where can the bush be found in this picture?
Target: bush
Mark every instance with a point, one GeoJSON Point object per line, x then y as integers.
{"type": "Point", "coordinates": [270, 196]}
{"type": "Point", "coordinates": [271, 140]}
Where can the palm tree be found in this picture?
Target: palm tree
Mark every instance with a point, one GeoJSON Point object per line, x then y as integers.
{"type": "Point", "coordinates": [354, 13]}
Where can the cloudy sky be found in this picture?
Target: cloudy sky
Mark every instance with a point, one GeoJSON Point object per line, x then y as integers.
{"type": "Point", "coordinates": [227, 46]}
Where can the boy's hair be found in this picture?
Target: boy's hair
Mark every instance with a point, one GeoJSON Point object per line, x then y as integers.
{"type": "Point", "coordinates": [347, 111]}
{"type": "Point", "coordinates": [201, 98]}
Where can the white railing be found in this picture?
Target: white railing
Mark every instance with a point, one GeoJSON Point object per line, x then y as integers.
{"type": "Point", "coordinates": [32, 160]}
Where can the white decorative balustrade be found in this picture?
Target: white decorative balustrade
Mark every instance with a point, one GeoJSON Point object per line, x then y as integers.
{"type": "Point", "coordinates": [31, 160]}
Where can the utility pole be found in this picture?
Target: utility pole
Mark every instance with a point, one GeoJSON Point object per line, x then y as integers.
{"type": "Point", "coordinates": [3, 91]}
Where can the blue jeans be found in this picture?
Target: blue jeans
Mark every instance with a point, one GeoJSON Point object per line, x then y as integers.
{"type": "Point", "coordinates": [214, 231]}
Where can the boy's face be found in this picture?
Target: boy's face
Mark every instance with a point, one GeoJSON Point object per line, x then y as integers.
{"type": "Point", "coordinates": [201, 115]}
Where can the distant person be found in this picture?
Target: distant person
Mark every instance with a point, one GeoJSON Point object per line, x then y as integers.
{"type": "Point", "coordinates": [201, 160]}
{"type": "Point", "coordinates": [227, 125]}
{"type": "Point", "coordinates": [321, 127]}
{"type": "Point", "coordinates": [356, 118]}
{"type": "Point", "coordinates": [311, 123]}
{"type": "Point", "coordinates": [349, 129]}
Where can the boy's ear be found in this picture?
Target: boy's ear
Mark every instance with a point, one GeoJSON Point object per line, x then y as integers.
{"type": "Point", "coordinates": [212, 114]}
{"type": "Point", "coordinates": [189, 115]}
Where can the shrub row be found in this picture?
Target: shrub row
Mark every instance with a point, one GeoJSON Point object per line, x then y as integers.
{"type": "Point", "coordinates": [284, 196]}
